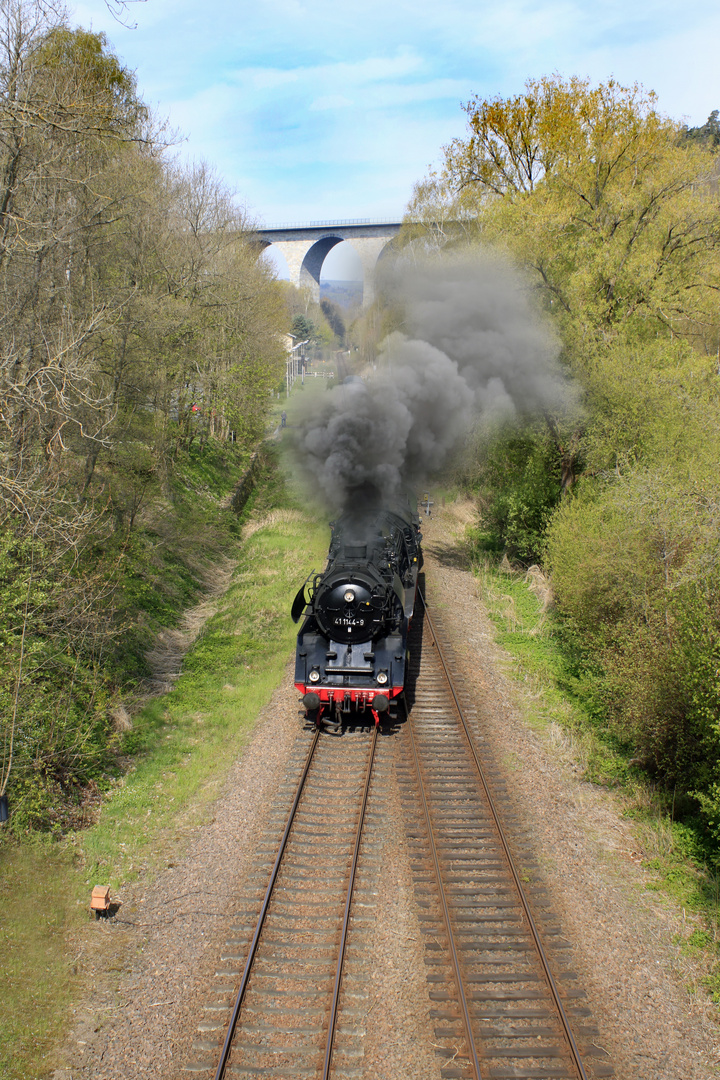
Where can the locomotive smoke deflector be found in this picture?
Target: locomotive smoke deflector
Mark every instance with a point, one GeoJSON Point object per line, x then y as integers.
{"type": "Point", "coordinates": [300, 602]}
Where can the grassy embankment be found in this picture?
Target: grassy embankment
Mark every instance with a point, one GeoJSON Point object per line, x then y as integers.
{"type": "Point", "coordinates": [180, 749]}
{"type": "Point", "coordinates": [555, 704]}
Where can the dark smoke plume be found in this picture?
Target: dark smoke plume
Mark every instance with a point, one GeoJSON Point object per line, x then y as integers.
{"type": "Point", "coordinates": [472, 347]}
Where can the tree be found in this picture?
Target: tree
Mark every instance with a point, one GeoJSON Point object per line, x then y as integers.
{"type": "Point", "coordinates": [129, 292]}
{"type": "Point", "coordinates": [596, 192]}
{"type": "Point", "coordinates": [613, 210]}
{"type": "Point", "coordinates": [334, 316]}
{"type": "Point", "coordinates": [66, 105]}
{"type": "Point", "coordinates": [304, 328]}
{"type": "Point", "coordinates": [709, 133]}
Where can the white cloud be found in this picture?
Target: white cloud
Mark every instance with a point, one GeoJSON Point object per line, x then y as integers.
{"type": "Point", "coordinates": [365, 72]}
{"type": "Point", "coordinates": [330, 101]}
{"type": "Point", "coordinates": [266, 78]}
{"type": "Point", "coordinates": [316, 109]}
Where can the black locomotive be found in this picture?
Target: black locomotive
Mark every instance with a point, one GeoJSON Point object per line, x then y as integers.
{"type": "Point", "coordinates": [352, 645]}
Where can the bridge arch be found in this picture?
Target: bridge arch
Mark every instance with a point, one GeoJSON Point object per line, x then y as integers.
{"type": "Point", "coordinates": [305, 248]}
{"type": "Point", "coordinates": [312, 264]}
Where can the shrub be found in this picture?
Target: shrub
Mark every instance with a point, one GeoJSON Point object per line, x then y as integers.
{"type": "Point", "coordinates": [517, 482]}
{"type": "Point", "coordinates": [633, 571]}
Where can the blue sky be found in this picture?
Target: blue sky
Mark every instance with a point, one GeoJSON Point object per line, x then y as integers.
{"type": "Point", "coordinates": [312, 109]}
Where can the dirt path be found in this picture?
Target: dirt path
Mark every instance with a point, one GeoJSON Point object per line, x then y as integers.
{"type": "Point", "coordinates": [171, 645]}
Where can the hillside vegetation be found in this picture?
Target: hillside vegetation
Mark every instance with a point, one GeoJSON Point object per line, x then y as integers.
{"type": "Point", "coordinates": [612, 211]}
{"type": "Point", "coordinates": [180, 750]}
{"type": "Point", "coordinates": [139, 347]}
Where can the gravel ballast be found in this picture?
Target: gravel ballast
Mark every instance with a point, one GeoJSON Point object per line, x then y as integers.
{"type": "Point", "coordinates": [148, 969]}
{"type": "Point", "coordinates": [625, 934]}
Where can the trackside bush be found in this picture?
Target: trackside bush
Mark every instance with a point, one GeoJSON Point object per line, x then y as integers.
{"type": "Point", "coordinates": [517, 482]}
{"type": "Point", "coordinates": [633, 570]}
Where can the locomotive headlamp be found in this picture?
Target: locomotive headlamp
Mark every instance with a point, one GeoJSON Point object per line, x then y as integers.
{"type": "Point", "coordinates": [382, 677]}
{"type": "Point", "coordinates": [349, 596]}
{"type": "Point", "coordinates": [314, 676]}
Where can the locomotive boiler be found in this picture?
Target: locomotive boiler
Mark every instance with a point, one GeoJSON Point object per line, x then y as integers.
{"type": "Point", "coordinates": [352, 644]}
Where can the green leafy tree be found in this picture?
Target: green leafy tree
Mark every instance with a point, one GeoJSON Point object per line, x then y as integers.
{"type": "Point", "coordinates": [304, 328]}
{"type": "Point", "coordinates": [131, 292]}
{"type": "Point", "coordinates": [597, 193]}
{"type": "Point", "coordinates": [517, 480]}
{"type": "Point", "coordinates": [334, 316]}
{"type": "Point", "coordinates": [709, 133]}
{"type": "Point", "coordinates": [612, 209]}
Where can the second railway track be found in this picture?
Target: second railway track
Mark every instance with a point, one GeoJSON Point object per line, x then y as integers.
{"type": "Point", "coordinates": [500, 994]}
{"type": "Point", "coordinates": [505, 1002]}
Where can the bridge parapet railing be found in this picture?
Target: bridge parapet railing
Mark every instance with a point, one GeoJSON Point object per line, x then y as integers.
{"type": "Point", "coordinates": [326, 224]}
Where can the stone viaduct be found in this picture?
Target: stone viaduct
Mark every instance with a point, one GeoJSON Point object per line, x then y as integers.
{"type": "Point", "coordinates": [305, 248]}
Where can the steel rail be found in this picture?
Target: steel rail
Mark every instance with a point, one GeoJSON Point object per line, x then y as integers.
{"type": "Point", "coordinates": [446, 915]}
{"type": "Point", "coordinates": [346, 916]}
{"type": "Point", "coordinates": [567, 1031]}
{"type": "Point", "coordinates": [263, 911]}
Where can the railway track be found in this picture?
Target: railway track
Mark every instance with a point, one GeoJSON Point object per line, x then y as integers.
{"type": "Point", "coordinates": [505, 1002]}
{"type": "Point", "coordinates": [287, 949]}
{"type": "Point", "coordinates": [501, 996]}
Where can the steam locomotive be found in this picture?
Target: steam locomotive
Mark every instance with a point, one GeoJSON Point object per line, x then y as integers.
{"type": "Point", "coordinates": [352, 645]}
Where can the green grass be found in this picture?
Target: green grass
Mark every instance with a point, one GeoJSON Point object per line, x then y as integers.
{"type": "Point", "coordinates": [522, 630]}
{"type": "Point", "coordinates": [528, 635]}
{"type": "Point", "coordinates": [186, 741]}
{"type": "Point", "coordinates": [180, 750]}
{"type": "Point", "coordinates": [38, 888]}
